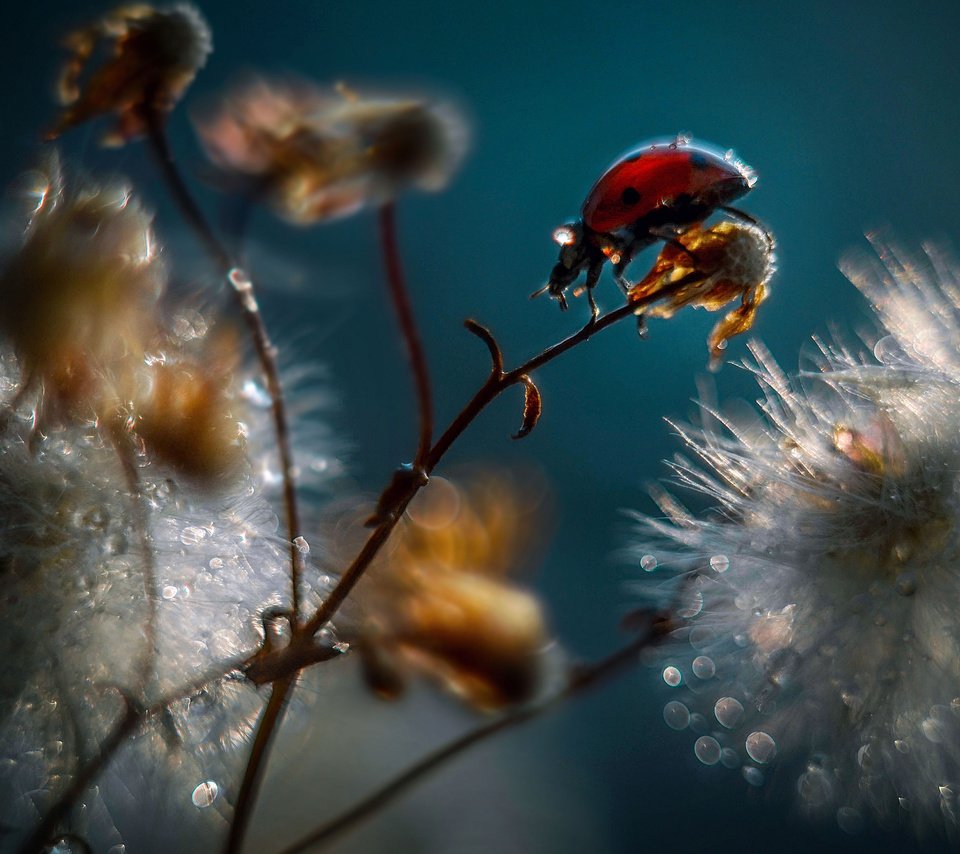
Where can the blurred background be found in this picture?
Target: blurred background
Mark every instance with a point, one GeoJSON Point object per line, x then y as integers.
{"type": "Point", "coordinates": [848, 112]}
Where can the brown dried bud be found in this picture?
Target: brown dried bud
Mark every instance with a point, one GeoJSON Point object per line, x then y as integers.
{"type": "Point", "coordinates": [184, 416]}
{"type": "Point", "coordinates": [78, 298]}
{"type": "Point", "coordinates": [439, 604]}
{"type": "Point", "coordinates": [152, 57]}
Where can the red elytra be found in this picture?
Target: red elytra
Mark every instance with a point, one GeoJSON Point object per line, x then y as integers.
{"type": "Point", "coordinates": [659, 176]}
{"type": "Point", "coordinates": [650, 194]}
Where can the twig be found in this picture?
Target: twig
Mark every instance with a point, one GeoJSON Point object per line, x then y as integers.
{"type": "Point", "coordinates": [408, 326]}
{"type": "Point", "coordinates": [253, 772]}
{"type": "Point", "coordinates": [242, 289]}
{"type": "Point", "coordinates": [579, 680]}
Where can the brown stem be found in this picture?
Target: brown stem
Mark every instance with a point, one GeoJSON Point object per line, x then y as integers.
{"type": "Point", "coordinates": [267, 727]}
{"type": "Point", "coordinates": [579, 680]}
{"type": "Point", "coordinates": [408, 326]}
{"type": "Point", "coordinates": [242, 289]}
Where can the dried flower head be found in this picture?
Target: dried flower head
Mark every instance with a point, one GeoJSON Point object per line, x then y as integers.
{"type": "Point", "coordinates": [79, 295]}
{"type": "Point", "coordinates": [440, 602]}
{"type": "Point", "coordinates": [821, 616]}
{"type": "Point", "coordinates": [715, 266]}
{"type": "Point", "coordinates": [317, 155]}
{"type": "Point", "coordinates": [152, 56]}
{"type": "Point", "coordinates": [185, 411]}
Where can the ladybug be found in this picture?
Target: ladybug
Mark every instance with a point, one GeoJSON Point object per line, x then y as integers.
{"type": "Point", "coordinates": [652, 193]}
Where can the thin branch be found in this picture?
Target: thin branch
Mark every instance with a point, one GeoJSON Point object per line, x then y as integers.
{"type": "Point", "coordinates": [579, 680]}
{"type": "Point", "coordinates": [267, 727]}
{"type": "Point", "coordinates": [408, 326]}
{"type": "Point", "coordinates": [242, 289]}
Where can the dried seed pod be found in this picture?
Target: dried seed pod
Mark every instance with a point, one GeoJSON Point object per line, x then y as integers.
{"type": "Point", "coordinates": [152, 57]}
{"type": "Point", "coordinates": [440, 603]}
{"type": "Point", "coordinates": [317, 155]}
{"type": "Point", "coordinates": [715, 266]}
{"type": "Point", "coordinates": [79, 296]}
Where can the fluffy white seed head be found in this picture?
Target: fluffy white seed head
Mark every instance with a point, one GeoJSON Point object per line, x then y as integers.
{"type": "Point", "coordinates": [820, 598]}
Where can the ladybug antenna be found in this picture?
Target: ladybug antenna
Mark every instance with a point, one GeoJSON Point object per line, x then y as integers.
{"type": "Point", "coordinates": [539, 291]}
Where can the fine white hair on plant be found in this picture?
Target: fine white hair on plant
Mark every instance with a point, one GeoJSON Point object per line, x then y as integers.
{"type": "Point", "coordinates": [820, 628]}
{"type": "Point", "coordinates": [72, 597]}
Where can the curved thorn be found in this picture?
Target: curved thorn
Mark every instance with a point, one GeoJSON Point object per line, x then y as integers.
{"type": "Point", "coordinates": [485, 335]}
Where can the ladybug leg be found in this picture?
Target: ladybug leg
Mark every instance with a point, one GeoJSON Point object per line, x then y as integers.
{"type": "Point", "coordinates": [593, 276]}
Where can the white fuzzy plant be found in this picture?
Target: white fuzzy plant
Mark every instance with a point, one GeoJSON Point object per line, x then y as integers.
{"type": "Point", "coordinates": [820, 623]}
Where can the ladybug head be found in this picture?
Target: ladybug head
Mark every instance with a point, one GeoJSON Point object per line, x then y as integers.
{"type": "Point", "coordinates": [574, 256]}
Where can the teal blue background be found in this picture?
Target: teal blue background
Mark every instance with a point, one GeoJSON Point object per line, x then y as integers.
{"type": "Point", "coordinates": [848, 112]}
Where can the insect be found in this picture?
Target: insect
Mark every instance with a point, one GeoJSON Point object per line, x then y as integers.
{"type": "Point", "coordinates": [652, 193]}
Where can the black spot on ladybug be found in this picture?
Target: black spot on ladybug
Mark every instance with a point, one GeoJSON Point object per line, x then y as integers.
{"type": "Point", "coordinates": [630, 196]}
{"type": "Point", "coordinates": [699, 160]}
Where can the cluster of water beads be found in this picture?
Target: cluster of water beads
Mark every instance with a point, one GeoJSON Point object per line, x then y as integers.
{"type": "Point", "coordinates": [713, 746]}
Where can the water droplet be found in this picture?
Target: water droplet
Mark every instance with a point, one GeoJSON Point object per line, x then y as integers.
{"type": "Point", "coordinates": [754, 776]}
{"type": "Point", "coordinates": [699, 724]}
{"type": "Point", "coordinates": [906, 584]}
{"type": "Point", "coordinates": [850, 820]}
{"type": "Point", "coordinates": [191, 535]}
{"type": "Point", "coordinates": [168, 592]}
{"type": "Point", "coordinates": [672, 676]}
{"type": "Point", "coordinates": [728, 711]}
{"type": "Point", "coordinates": [703, 667]}
{"type": "Point", "coordinates": [676, 715]}
{"type": "Point", "coordinates": [205, 794]}
{"type": "Point", "coordinates": [67, 844]}
{"type": "Point", "coordinates": [692, 605]}
{"type": "Point", "coordinates": [648, 563]}
{"type": "Point", "coordinates": [707, 750]}
{"type": "Point", "coordinates": [760, 747]}
{"type": "Point", "coordinates": [901, 746]}
{"type": "Point", "coordinates": [719, 563]}
{"type": "Point", "coordinates": [303, 547]}
{"type": "Point", "coordinates": [815, 788]}
{"type": "Point", "coordinates": [934, 730]}
{"type": "Point", "coordinates": [729, 758]}
{"type": "Point", "coordinates": [216, 563]}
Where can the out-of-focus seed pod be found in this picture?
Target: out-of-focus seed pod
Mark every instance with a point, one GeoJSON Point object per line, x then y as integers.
{"type": "Point", "coordinates": [184, 413]}
{"type": "Point", "coordinates": [152, 57]}
{"type": "Point", "coordinates": [79, 297]}
{"type": "Point", "coordinates": [316, 155]}
{"type": "Point", "coordinates": [439, 602]}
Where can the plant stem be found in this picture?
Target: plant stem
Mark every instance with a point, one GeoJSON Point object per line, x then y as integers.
{"type": "Point", "coordinates": [579, 680]}
{"type": "Point", "coordinates": [408, 326]}
{"type": "Point", "coordinates": [242, 289]}
{"type": "Point", "coordinates": [267, 727]}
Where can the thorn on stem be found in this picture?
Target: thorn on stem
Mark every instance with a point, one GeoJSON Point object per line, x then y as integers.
{"type": "Point", "coordinates": [485, 335]}
{"type": "Point", "coordinates": [532, 407]}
